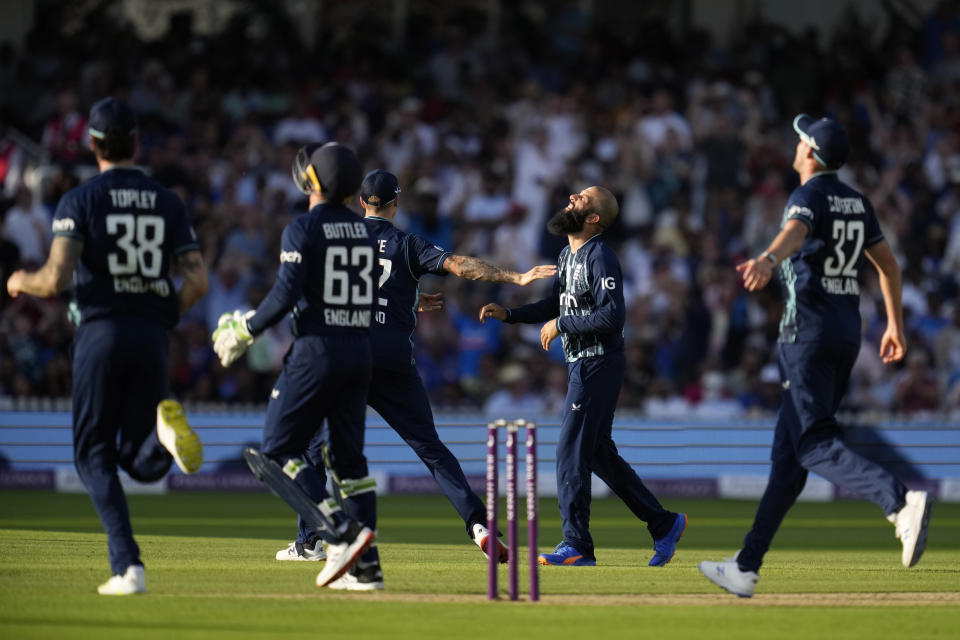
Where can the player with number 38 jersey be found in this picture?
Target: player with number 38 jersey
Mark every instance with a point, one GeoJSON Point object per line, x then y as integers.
{"type": "Point", "coordinates": [130, 226]}
{"type": "Point", "coordinates": [116, 238]}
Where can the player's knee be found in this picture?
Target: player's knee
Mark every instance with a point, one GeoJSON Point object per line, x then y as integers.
{"type": "Point", "coordinates": [148, 475]}
{"type": "Point", "coordinates": [431, 453]}
{"type": "Point", "coordinates": [818, 445]}
{"type": "Point", "coordinates": [94, 464]}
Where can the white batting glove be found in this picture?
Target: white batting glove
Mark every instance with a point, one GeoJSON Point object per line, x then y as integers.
{"type": "Point", "coordinates": [232, 337]}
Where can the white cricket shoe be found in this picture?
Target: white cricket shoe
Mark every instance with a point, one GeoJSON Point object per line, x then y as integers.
{"type": "Point", "coordinates": [343, 555]}
{"type": "Point", "coordinates": [177, 437]}
{"type": "Point", "coordinates": [912, 522]}
{"type": "Point", "coordinates": [360, 578]}
{"type": "Point", "coordinates": [727, 574]}
{"type": "Point", "coordinates": [479, 534]}
{"type": "Point", "coordinates": [133, 581]}
{"type": "Point", "coordinates": [299, 551]}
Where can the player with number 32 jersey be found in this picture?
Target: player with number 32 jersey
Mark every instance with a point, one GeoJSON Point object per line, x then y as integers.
{"type": "Point", "coordinates": [827, 228]}
{"type": "Point", "coordinates": [820, 280]}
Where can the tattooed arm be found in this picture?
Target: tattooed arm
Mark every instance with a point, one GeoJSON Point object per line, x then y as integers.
{"type": "Point", "coordinates": [54, 276]}
{"type": "Point", "coordinates": [476, 269]}
{"type": "Point", "coordinates": [190, 264]}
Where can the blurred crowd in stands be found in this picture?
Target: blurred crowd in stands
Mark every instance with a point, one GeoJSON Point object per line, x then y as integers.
{"type": "Point", "coordinates": [488, 139]}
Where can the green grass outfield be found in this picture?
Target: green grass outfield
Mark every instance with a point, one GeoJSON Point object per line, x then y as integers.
{"type": "Point", "coordinates": [834, 572]}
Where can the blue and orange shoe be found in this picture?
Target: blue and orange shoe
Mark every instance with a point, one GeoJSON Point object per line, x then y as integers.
{"type": "Point", "coordinates": [665, 547]}
{"type": "Point", "coordinates": [566, 556]}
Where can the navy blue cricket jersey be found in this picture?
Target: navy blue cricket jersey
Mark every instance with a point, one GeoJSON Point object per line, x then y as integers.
{"type": "Point", "coordinates": [327, 275]}
{"type": "Point", "coordinates": [131, 226]}
{"type": "Point", "coordinates": [820, 280]}
{"type": "Point", "coordinates": [403, 258]}
{"type": "Point", "coordinates": [588, 298]}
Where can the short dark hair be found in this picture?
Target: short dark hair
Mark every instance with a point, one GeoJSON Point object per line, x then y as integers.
{"type": "Point", "coordinates": [115, 147]}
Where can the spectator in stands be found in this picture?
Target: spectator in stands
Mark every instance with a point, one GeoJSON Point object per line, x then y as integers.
{"type": "Point", "coordinates": [516, 396]}
{"type": "Point", "coordinates": [688, 137]}
{"type": "Point", "coordinates": [27, 225]}
{"type": "Point", "coordinates": [917, 389]}
{"type": "Point", "coordinates": [66, 134]}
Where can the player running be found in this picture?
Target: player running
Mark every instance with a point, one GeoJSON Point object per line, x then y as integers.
{"type": "Point", "coordinates": [396, 390]}
{"type": "Point", "coordinates": [116, 237]}
{"type": "Point", "coordinates": [586, 309]}
{"type": "Point", "coordinates": [826, 226]}
{"type": "Point", "coordinates": [327, 279]}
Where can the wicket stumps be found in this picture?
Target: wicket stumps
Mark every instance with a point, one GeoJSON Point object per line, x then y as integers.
{"type": "Point", "coordinates": [513, 429]}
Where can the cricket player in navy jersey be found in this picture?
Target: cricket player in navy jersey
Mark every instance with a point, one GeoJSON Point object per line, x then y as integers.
{"type": "Point", "coordinates": [586, 309]}
{"type": "Point", "coordinates": [327, 279]}
{"type": "Point", "coordinates": [827, 227]}
{"type": "Point", "coordinates": [396, 390]}
{"type": "Point", "coordinates": [116, 237]}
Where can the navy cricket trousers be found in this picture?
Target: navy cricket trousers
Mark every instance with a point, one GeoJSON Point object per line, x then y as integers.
{"type": "Point", "coordinates": [586, 446]}
{"type": "Point", "coordinates": [323, 378]}
{"type": "Point", "coordinates": [808, 438]}
{"type": "Point", "coordinates": [400, 398]}
{"type": "Point", "coordinates": [120, 374]}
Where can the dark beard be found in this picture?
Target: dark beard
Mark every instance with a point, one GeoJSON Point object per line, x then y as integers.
{"type": "Point", "coordinates": [565, 223]}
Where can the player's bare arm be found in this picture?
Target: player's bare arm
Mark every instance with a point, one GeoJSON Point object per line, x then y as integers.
{"type": "Point", "coordinates": [756, 272]}
{"type": "Point", "coordinates": [195, 285]}
{"type": "Point", "coordinates": [54, 276]}
{"type": "Point", "coordinates": [476, 269]}
{"type": "Point", "coordinates": [893, 345]}
{"type": "Point", "coordinates": [492, 310]}
{"type": "Point", "coordinates": [430, 302]}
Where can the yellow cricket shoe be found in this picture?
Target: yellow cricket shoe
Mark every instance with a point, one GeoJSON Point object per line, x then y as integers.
{"type": "Point", "coordinates": [177, 437]}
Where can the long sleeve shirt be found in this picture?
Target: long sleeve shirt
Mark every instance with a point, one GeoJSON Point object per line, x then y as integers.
{"type": "Point", "coordinates": [587, 297]}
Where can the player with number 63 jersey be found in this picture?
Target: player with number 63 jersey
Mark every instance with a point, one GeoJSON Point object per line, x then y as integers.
{"type": "Point", "coordinates": [327, 281]}
{"type": "Point", "coordinates": [396, 389]}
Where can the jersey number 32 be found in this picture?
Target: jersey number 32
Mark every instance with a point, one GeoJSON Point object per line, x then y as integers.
{"type": "Point", "coordinates": [847, 234]}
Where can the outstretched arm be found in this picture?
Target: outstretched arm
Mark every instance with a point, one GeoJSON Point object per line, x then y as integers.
{"type": "Point", "coordinates": [756, 272]}
{"type": "Point", "coordinates": [893, 346]}
{"type": "Point", "coordinates": [539, 311]}
{"type": "Point", "coordinates": [476, 269]}
{"type": "Point", "coordinates": [54, 276]}
{"type": "Point", "coordinates": [195, 285]}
